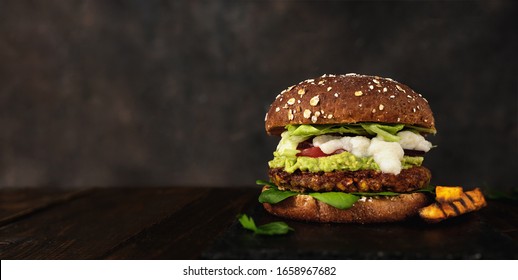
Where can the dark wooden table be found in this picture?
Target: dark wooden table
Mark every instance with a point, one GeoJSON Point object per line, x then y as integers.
{"type": "Point", "coordinates": [191, 223]}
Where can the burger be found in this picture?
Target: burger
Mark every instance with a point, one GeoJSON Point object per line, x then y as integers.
{"type": "Point", "coordinates": [351, 151]}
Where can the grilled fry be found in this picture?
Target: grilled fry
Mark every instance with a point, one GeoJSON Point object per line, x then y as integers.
{"type": "Point", "coordinates": [447, 194]}
{"type": "Point", "coordinates": [468, 201]}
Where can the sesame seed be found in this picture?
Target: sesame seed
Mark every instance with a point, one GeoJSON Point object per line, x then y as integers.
{"type": "Point", "coordinates": [385, 89]}
{"type": "Point", "coordinates": [332, 75]}
{"type": "Point", "coordinates": [358, 93]}
{"type": "Point", "coordinates": [314, 100]}
{"type": "Point", "coordinates": [359, 105]}
{"type": "Point", "coordinates": [374, 110]}
{"type": "Point", "coordinates": [277, 109]}
{"type": "Point", "coordinates": [321, 82]}
{"type": "Point", "coordinates": [336, 94]}
{"type": "Point", "coordinates": [298, 101]}
{"type": "Point", "coordinates": [398, 119]}
{"type": "Point", "coordinates": [392, 96]}
{"type": "Point", "coordinates": [307, 113]}
{"type": "Point", "coordinates": [381, 107]}
{"type": "Point", "coordinates": [330, 116]}
{"type": "Point", "coordinates": [317, 113]}
{"type": "Point", "coordinates": [425, 100]}
{"type": "Point", "coordinates": [310, 80]}
{"type": "Point", "coordinates": [301, 92]}
{"type": "Point", "coordinates": [314, 119]}
{"type": "Point", "coordinates": [418, 108]}
{"type": "Point", "coordinates": [329, 88]}
{"type": "Point", "coordinates": [371, 87]}
{"type": "Point", "coordinates": [266, 116]}
{"type": "Point", "coordinates": [291, 101]}
{"type": "Point", "coordinates": [400, 88]}
{"type": "Point", "coordinates": [413, 110]}
{"type": "Point", "coordinates": [376, 81]}
{"type": "Point", "coordinates": [351, 74]}
{"type": "Point", "coordinates": [409, 96]}
{"type": "Point", "coordinates": [290, 88]}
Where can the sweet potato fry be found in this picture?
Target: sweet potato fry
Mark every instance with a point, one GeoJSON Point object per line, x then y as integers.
{"type": "Point", "coordinates": [432, 213]}
{"type": "Point", "coordinates": [467, 202]}
{"type": "Point", "coordinates": [447, 194]}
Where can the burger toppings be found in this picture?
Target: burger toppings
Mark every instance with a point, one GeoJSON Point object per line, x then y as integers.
{"type": "Point", "coordinates": [384, 152]}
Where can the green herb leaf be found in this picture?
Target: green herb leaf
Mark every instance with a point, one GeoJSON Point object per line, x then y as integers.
{"type": "Point", "coordinates": [336, 199]}
{"type": "Point", "coordinates": [265, 183]}
{"type": "Point", "coordinates": [274, 195]}
{"type": "Point", "coordinates": [387, 132]}
{"type": "Point", "coordinates": [266, 229]}
{"type": "Point", "coordinates": [427, 189]}
{"type": "Point", "coordinates": [247, 222]}
{"type": "Point", "coordinates": [274, 228]}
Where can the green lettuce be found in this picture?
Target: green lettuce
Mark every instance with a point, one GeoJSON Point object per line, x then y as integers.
{"type": "Point", "coordinates": [386, 131]}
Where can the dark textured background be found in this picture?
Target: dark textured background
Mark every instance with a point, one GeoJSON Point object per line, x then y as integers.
{"type": "Point", "coordinates": [121, 93]}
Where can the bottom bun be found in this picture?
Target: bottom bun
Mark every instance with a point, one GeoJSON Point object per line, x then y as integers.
{"type": "Point", "coordinates": [370, 210]}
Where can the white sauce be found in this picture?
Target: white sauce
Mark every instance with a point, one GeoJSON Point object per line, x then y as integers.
{"type": "Point", "coordinates": [413, 141]}
{"type": "Point", "coordinates": [387, 155]}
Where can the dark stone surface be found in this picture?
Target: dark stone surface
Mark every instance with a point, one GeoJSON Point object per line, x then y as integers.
{"type": "Point", "coordinates": [466, 237]}
{"type": "Point", "coordinates": [174, 92]}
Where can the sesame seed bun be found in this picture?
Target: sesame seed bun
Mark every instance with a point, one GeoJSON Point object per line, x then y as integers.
{"type": "Point", "coordinates": [348, 99]}
{"type": "Point", "coordinates": [368, 210]}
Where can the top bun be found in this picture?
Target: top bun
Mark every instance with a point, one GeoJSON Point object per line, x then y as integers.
{"type": "Point", "coordinates": [348, 99]}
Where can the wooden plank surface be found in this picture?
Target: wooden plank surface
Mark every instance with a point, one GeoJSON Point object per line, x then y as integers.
{"type": "Point", "coordinates": [186, 233]}
{"type": "Point", "coordinates": [90, 226]}
{"type": "Point", "coordinates": [19, 203]}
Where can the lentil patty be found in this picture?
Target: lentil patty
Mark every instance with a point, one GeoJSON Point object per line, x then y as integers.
{"type": "Point", "coordinates": [408, 180]}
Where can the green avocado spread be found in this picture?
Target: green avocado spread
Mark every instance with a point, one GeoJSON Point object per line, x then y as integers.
{"type": "Point", "coordinates": [340, 162]}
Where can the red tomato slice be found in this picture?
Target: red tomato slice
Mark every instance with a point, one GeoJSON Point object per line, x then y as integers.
{"type": "Point", "coordinates": [312, 152]}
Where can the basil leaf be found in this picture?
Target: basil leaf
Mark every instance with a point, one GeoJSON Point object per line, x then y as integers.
{"type": "Point", "coordinates": [266, 229]}
{"type": "Point", "coordinates": [336, 199]}
{"type": "Point", "coordinates": [274, 195]}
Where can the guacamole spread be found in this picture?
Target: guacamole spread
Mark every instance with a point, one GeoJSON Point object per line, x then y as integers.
{"type": "Point", "coordinates": [340, 162]}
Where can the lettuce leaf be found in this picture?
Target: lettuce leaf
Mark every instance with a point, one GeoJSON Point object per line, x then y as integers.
{"type": "Point", "coordinates": [386, 131]}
